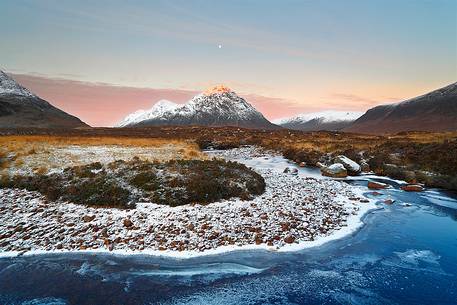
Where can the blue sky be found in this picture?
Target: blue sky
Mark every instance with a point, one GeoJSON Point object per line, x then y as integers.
{"type": "Point", "coordinates": [332, 53]}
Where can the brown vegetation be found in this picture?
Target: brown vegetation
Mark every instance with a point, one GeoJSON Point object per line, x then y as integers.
{"type": "Point", "coordinates": [414, 156]}
{"type": "Point", "coordinates": [121, 183]}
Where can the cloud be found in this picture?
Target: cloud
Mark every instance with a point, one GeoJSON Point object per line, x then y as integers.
{"type": "Point", "coordinates": [101, 104]}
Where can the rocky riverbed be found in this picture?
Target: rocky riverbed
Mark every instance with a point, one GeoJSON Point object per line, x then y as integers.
{"type": "Point", "coordinates": [293, 211]}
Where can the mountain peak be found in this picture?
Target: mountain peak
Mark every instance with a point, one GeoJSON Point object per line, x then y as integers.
{"type": "Point", "coordinates": [217, 106]}
{"type": "Point", "coordinates": [8, 86]}
{"type": "Point", "coordinates": [217, 89]}
{"type": "Point", "coordinates": [156, 111]}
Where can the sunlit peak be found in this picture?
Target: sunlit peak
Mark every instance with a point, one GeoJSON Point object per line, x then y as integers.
{"type": "Point", "coordinates": [217, 89]}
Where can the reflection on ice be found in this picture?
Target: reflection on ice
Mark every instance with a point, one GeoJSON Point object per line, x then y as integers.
{"type": "Point", "coordinates": [200, 269]}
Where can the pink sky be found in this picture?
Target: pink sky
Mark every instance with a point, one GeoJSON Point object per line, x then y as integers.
{"type": "Point", "coordinates": [100, 104]}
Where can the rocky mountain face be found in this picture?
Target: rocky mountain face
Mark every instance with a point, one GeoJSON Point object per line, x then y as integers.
{"type": "Point", "coordinates": [325, 120]}
{"type": "Point", "coordinates": [434, 111]}
{"type": "Point", "coordinates": [218, 106]}
{"type": "Point", "coordinates": [21, 108]}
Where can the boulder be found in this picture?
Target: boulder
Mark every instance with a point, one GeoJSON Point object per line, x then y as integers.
{"type": "Point", "coordinates": [302, 164]}
{"type": "Point", "coordinates": [286, 170]}
{"type": "Point", "coordinates": [351, 166]}
{"type": "Point", "coordinates": [412, 188]}
{"type": "Point", "coordinates": [336, 170]}
{"type": "Point", "coordinates": [372, 185]}
{"type": "Point", "coordinates": [294, 171]}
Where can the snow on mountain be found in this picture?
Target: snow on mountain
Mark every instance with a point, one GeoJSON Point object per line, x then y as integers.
{"type": "Point", "coordinates": [156, 112]}
{"type": "Point", "coordinates": [325, 120]}
{"type": "Point", "coordinates": [217, 106]}
{"type": "Point", "coordinates": [9, 86]}
{"type": "Point", "coordinates": [323, 116]}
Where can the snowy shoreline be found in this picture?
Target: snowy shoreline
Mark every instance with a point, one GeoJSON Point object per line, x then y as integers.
{"type": "Point", "coordinates": [345, 206]}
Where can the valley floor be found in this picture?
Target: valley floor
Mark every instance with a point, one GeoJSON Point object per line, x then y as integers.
{"type": "Point", "coordinates": [294, 212]}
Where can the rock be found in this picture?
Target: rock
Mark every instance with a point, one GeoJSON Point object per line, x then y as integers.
{"type": "Point", "coordinates": [412, 188]}
{"type": "Point", "coordinates": [377, 185]}
{"type": "Point", "coordinates": [389, 201]}
{"type": "Point", "coordinates": [88, 218]}
{"type": "Point", "coordinates": [365, 167]}
{"type": "Point", "coordinates": [104, 232]}
{"type": "Point", "coordinates": [351, 166]}
{"type": "Point", "coordinates": [128, 223]}
{"type": "Point", "coordinates": [375, 193]}
{"type": "Point", "coordinates": [286, 170]}
{"type": "Point", "coordinates": [302, 164]}
{"type": "Point", "coordinates": [336, 170]}
{"type": "Point", "coordinates": [289, 239]}
{"type": "Point", "coordinates": [294, 171]}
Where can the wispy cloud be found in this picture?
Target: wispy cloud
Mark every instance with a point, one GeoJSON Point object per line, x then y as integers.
{"type": "Point", "coordinates": [357, 101]}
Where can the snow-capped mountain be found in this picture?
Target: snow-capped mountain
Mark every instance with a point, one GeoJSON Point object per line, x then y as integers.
{"type": "Point", "coordinates": [325, 120]}
{"type": "Point", "coordinates": [9, 86]}
{"type": "Point", "coordinates": [218, 106]}
{"type": "Point", "coordinates": [21, 108]}
{"type": "Point", "coordinates": [434, 111]}
{"type": "Point", "coordinates": [156, 112]}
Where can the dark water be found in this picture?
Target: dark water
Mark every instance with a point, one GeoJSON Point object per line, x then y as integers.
{"type": "Point", "coordinates": [403, 255]}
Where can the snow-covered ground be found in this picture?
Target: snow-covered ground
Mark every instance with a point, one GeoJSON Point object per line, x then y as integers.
{"type": "Point", "coordinates": [56, 158]}
{"type": "Point", "coordinates": [295, 212]}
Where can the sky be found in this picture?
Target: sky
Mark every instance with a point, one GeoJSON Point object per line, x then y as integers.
{"type": "Point", "coordinates": [101, 60]}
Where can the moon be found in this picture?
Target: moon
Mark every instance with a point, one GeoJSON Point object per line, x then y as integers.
{"type": "Point", "coordinates": [219, 46]}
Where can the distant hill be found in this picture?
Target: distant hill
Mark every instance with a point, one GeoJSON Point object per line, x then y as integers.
{"type": "Point", "coordinates": [325, 120]}
{"type": "Point", "coordinates": [434, 111]}
{"type": "Point", "coordinates": [218, 106]}
{"type": "Point", "coordinates": [21, 108]}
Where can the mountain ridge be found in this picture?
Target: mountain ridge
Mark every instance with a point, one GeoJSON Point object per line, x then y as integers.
{"type": "Point", "coordinates": [433, 111]}
{"type": "Point", "coordinates": [325, 120]}
{"type": "Point", "coordinates": [20, 108]}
